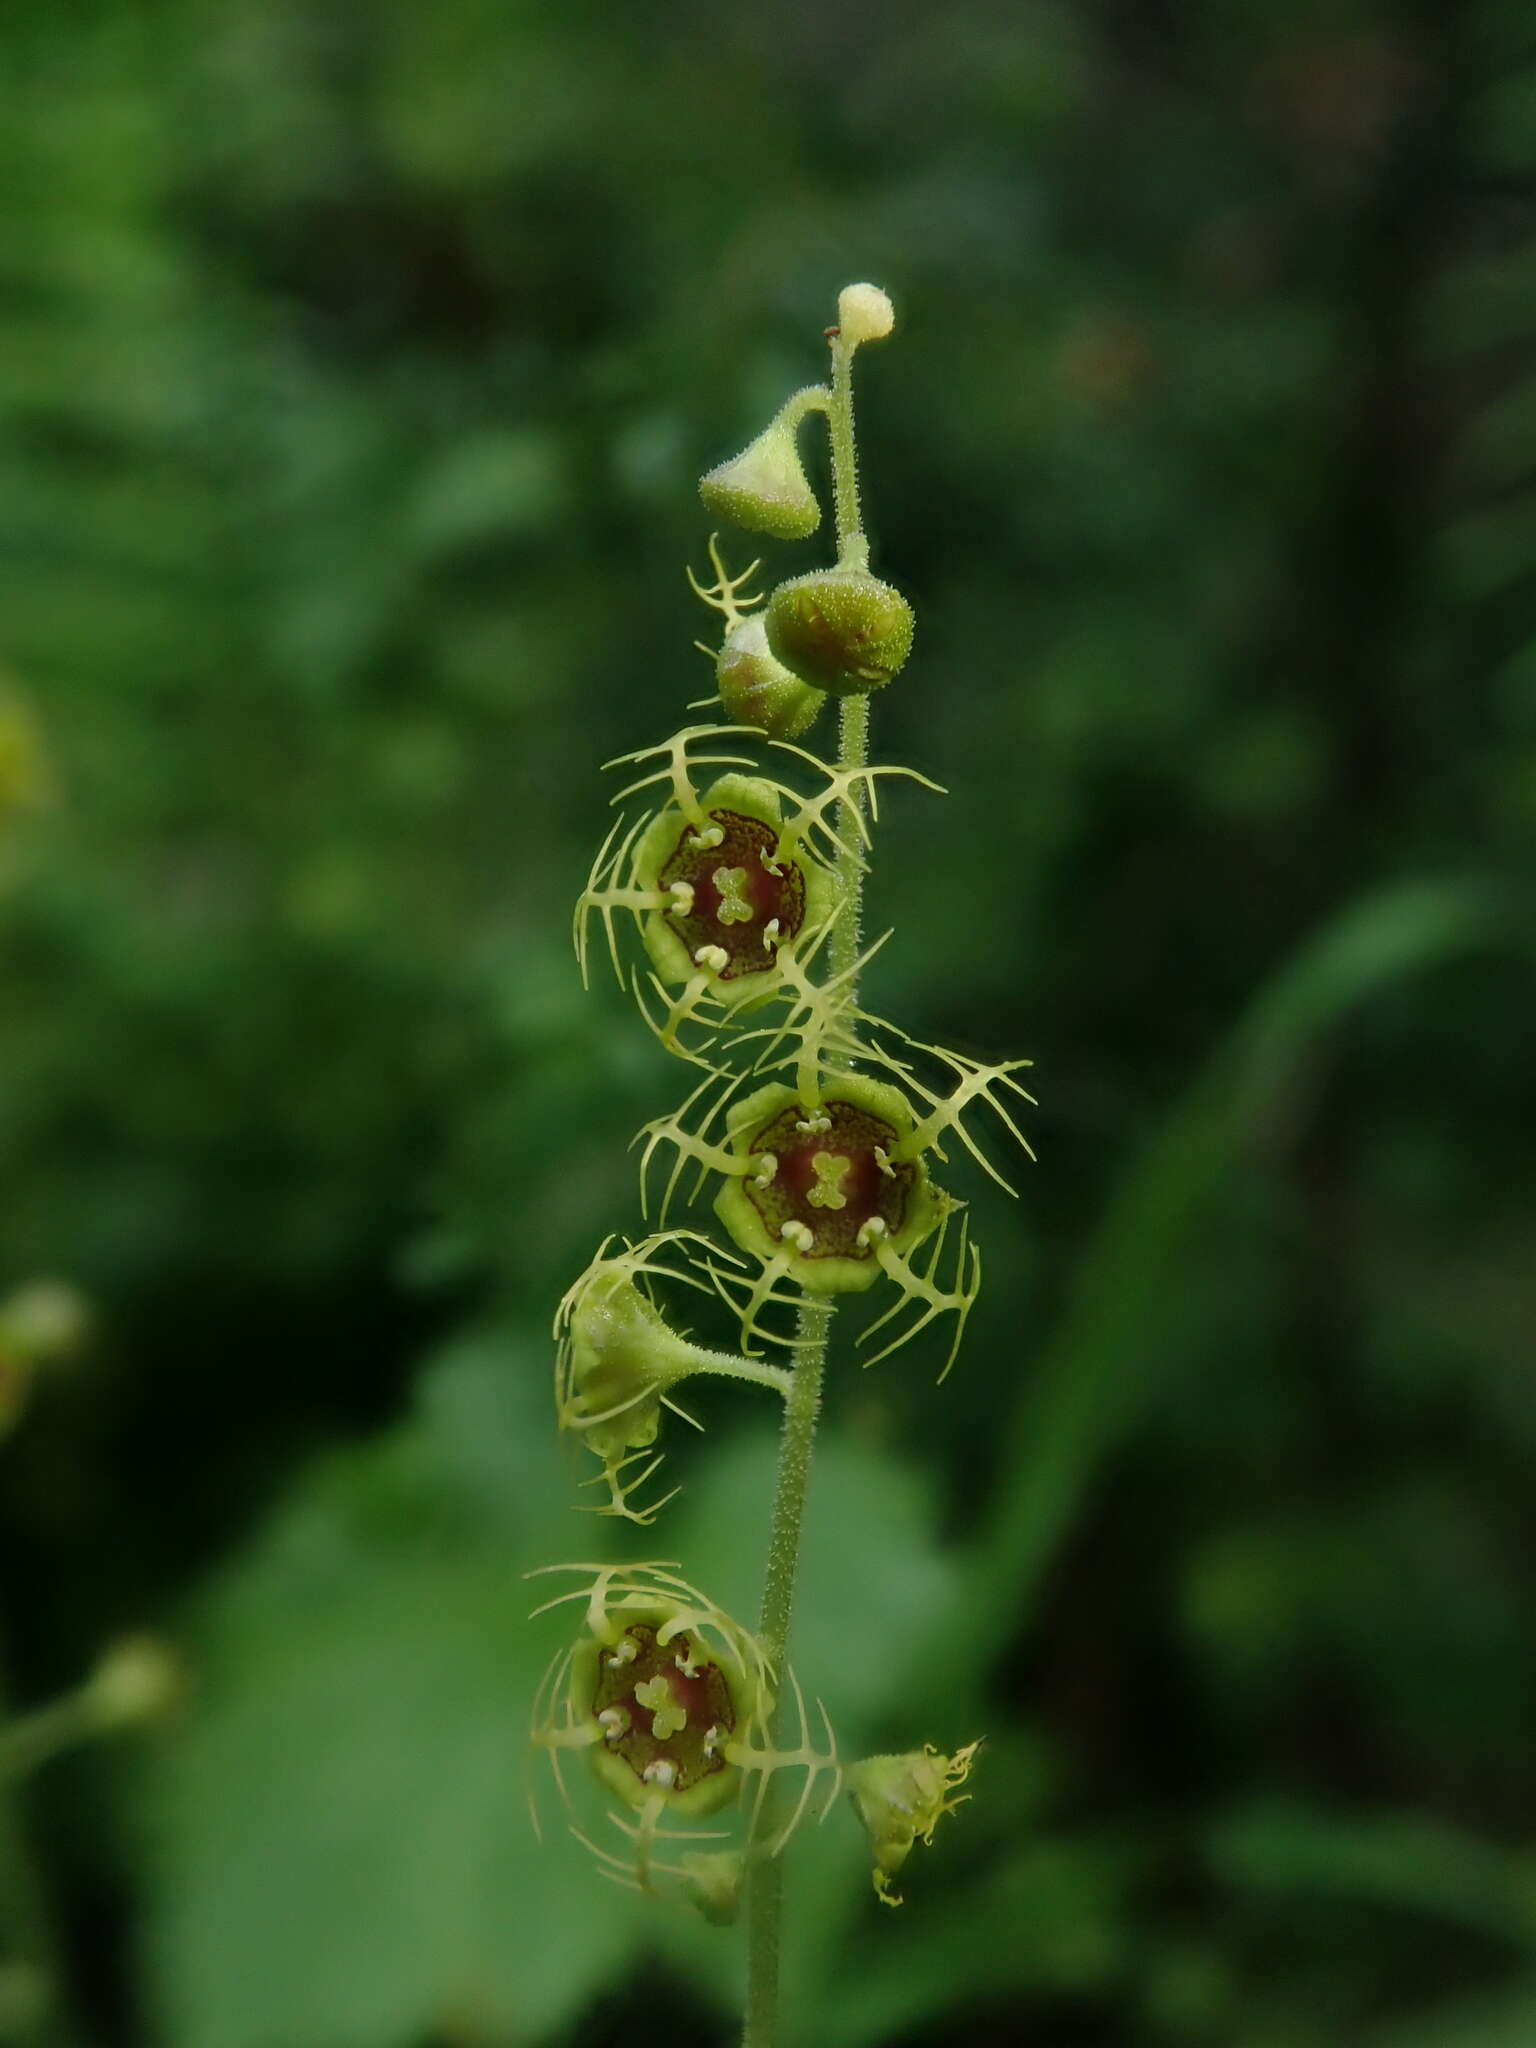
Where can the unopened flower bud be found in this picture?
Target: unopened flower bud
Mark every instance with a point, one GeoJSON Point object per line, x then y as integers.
{"type": "Point", "coordinates": [139, 1679]}
{"type": "Point", "coordinates": [765, 488]}
{"type": "Point", "coordinates": [44, 1323]}
{"type": "Point", "coordinates": [757, 689]}
{"type": "Point", "coordinates": [841, 630]}
{"type": "Point", "coordinates": [864, 313]}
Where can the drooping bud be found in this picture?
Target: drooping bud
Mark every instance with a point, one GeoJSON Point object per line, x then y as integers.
{"type": "Point", "coordinates": [864, 313]}
{"type": "Point", "coordinates": [765, 488]}
{"type": "Point", "coordinates": [901, 1800]}
{"type": "Point", "coordinates": [841, 630]}
{"type": "Point", "coordinates": [756, 689]}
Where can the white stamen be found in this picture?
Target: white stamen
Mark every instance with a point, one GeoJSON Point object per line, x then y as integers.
{"type": "Point", "coordinates": [767, 1167]}
{"type": "Point", "coordinates": [713, 959]}
{"type": "Point", "coordinates": [798, 1234]}
{"type": "Point", "coordinates": [661, 1772]}
{"type": "Point", "coordinates": [874, 1229]}
{"type": "Point", "coordinates": [711, 836]}
{"type": "Point", "coordinates": [682, 899]}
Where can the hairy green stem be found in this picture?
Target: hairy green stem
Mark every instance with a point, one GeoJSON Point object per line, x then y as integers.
{"type": "Point", "coordinates": [802, 1407]}
{"type": "Point", "coordinates": [843, 947]}
{"type": "Point", "coordinates": [727, 1365]}
{"type": "Point", "coordinates": [852, 548]}
{"type": "Point", "coordinates": [808, 399]}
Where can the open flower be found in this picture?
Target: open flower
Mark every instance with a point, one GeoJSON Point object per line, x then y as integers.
{"type": "Point", "coordinates": [671, 1701]}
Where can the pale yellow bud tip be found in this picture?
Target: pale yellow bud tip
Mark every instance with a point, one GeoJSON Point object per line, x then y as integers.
{"type": "Point", "coordinates": [139, 1679]}
{"type": "Point", "coordinates": [45, 1322]}
{"type": "Point", "coordinates": [864, 313]}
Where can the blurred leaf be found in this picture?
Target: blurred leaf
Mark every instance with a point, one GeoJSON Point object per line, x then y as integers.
{"type": "Point", "coordinates": [1498, 2022]}
{"type": "Point", "coordinates": [338, 1841]}
{"type": "Point", "coordinates": [868, 1552]}
{"type": "Point", "coordinates": [1081, 1397]}
{"type": "Point", "coordinates": [1050, 1918]}
{"type": "Point", "coordinates": [1403, 1862]}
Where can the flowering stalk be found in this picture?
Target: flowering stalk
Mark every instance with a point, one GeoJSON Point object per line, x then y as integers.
{"type": "Point", "coordinates": [802, 1410]}
{"type": "Point", "coordinates": [815, 1127]}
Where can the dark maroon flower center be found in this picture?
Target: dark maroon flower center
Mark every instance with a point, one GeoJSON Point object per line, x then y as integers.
{"type": "Point", "coordinates": [738, 904]}
{"type": "Point", "coordinates": [832, 1173]}
{"type": "Point", "coordinates": [663, 1704]}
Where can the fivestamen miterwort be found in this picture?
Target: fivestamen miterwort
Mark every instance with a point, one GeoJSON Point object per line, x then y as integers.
{"type": "Point", "coordinates": [737, 865]}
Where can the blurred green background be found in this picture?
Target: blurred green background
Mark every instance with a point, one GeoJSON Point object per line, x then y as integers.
{"type": "Point", "coordinates": [356, 365]}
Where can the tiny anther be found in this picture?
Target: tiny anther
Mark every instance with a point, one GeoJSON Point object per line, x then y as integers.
{"type": "Point", "coordinates": [626, 1653]}
{"type": "Point", "coordinates": [732, 885]}
{"type": "Point", "coordinates": [774, 867]}
{"type": "Point", "coordinates": [831, 1170]}
{"type": "Point", "coordinates": [684, 1660]}
{"type": "Point", "coordinates": [702, 842]}
{"type": "Point", "coordinates": [615, 1724]}
{"type": "Point", "coordinates": [883, 1161]}
{"type": "Point", "coordinates": [682, 899]}
{"type": "Point", "coordinates": [873, 1229]}
{"type": "Point", "coordinates": [661, 1772]}
{"type": "Point", "coordinates": [712, 1735]}
{"type": "Point", "coordinates": [800, 1235]}
{"type": "Point", "coordinates": [772, 935]}
{"type": "Point", "coordinates": [767, 1169]}
{"type": "Point", "coordinates": [818, 1120]}
{"type": "Point", "coordinates": [714, 959]}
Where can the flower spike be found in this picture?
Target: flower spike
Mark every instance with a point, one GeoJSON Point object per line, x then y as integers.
{"type": "Point", "coordinates": [728, 892]}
